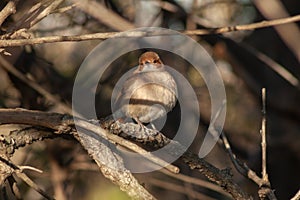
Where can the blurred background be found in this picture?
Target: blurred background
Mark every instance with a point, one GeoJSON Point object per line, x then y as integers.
{"type": "Point", "coordinates": [248, 60]}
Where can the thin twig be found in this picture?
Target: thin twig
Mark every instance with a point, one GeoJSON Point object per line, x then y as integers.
{"type": "Point", "coordinates": [264, 184]}
{"type": "Point", "coordinates": [242, 168]}
{"type": "Point", "coordinates": [36, 13]}
{"type": "Point", "coordinates": [18, 171]}
{"type": "Point", "coordinates": [263, 138]}
{"type": "Point", "coordinates": [8, 163]}
{"type": "Point", "coordinates": [289, 33]}
{"type": "Point", "coordinates": [221, 177]}
{"type": "Point", "coordinates": [10, 8]}
{"type": "Point", "coordinates": [107, 35]}
{"type": "Point", "coordinates": [48, 10]}
{"type": "Point", "coordinates": [276, 67]}
{"type": "Point", "coordinates": [32, 184]}
{"type": "Point", "coordinates": [265, 191]}
{"type": "Point", "coordinates": [22, 168]}
{"type": "Point", "coordinates": [64, 9]}
{"type": "Point", "coordinates": [22, 24]}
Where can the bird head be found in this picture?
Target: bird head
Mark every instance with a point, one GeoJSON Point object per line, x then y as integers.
{"type": "Point", "coordinates": [149, 61]}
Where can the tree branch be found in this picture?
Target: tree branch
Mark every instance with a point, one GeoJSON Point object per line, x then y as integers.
{"type": "Point", "coordinates": [9, 9]}
{"type": "Point", "coordinates": [107, 35]}
{"type": "Point", "coordinates": [48, 10]}
{"type": "Point", "coordinates": [265, 189]}
{"type": "Point", "coordinates": [263, 138]}
{"type": "Point", "coordinates": [19, 173]}
{"type": "Point", "coordinates": [110, 163]}
{"type": "Point", "coordinates": [289, 33]}
{"type": "Point", "coordinates": [91, 142]}
{"type": "Point", "coordinates": [197, 182]}
{"type": "Point", "coordinates": [220, 177]}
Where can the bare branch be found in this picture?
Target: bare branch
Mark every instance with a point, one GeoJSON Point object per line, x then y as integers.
{"type": "Point", "coordinates": [92, 142]}
{"type": "Point", "coordinates": [21, 138]}
{"type": "Point", "coordinates": [48, 10]}
{"type": "Point", "coordinates": [36, 13]}
{"type": "Point", "coordinates": [174, 148]}
{"type": "Point", "coordinates": [9, 9]}
{"type": "Point", "coordinates": [243, 169]}
{"type": "Point", "coordinates": [64, 123]}
{"type": "Point", "coordinates": [127, 144]}
{"type": "Point", "coordinates": [289, 33]}
{"type": "Point", "coordinates": [221, 177]}
{"type": "Point", "coordinates": [265, 190]}
{"type": "Point", "coordinates": [110, 163]}
{"type": "Point", "coordinates": [6, 170]}
{"type": "Point", "coordinates": [32, 184]}
{"type": "Point", "coordinates": [131, 131]}
{"type": "Point", "coordinates": [263, 138]}
{"type": "Point", "coordinates": [22, 168]}
{"type": "Point", "coordinates": [107, 35]}
{"type": "Point", "coordinates": [23, 23]}
{"type": "Point", "coordinates": [279, 69]}
{"type": "Point", "coordinates": [16, 169]}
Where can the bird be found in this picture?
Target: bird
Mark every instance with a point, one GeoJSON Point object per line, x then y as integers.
{"type": "Point", "coordinates": [149, 93]}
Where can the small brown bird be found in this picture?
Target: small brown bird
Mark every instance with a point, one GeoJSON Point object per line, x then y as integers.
{"type": "Point", "coordinates": [149, 93]}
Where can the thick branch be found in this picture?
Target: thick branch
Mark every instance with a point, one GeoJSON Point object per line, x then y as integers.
{"type": "Point", "coordinates": [53, 121]}
{"type": "Point", "coordinates": [174, 148]}
{"type": "Point", "coordinates": [65, 124]}
{"type": "Point", "coordinates": [20, 138]}
{"type": "Point", "coordinates": [109, 162]}
{"type": "Point", "coordinates": [62, 123]}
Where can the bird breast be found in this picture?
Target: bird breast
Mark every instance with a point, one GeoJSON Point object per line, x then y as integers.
{"type": "Point", "coordinates": [149, 95]}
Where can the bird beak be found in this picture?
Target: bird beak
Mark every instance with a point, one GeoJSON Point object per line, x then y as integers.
{"type": "Point", "coordinates": [151, 67]}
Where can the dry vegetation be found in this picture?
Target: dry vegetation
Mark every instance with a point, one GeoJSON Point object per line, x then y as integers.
{"type": "Point", "coordinates": [42, 155]}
